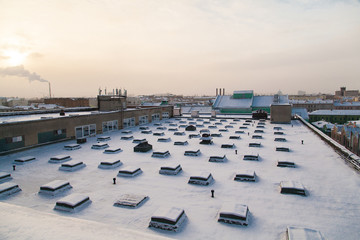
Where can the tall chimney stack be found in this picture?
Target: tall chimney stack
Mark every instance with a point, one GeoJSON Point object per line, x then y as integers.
{"type": "Point", "coordinates": [216, 91]}
{"type": "Point", "coordinates": [219, 91]}
{"type": "Point", "coordinates": [49, 90]}
{"type": "Point", "coordinates": [223, 91]}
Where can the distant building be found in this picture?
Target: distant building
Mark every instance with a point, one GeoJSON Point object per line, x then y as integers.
{"type": "Point", "coordinates": [324, 126]}
{"type": "Point", "coordinates": [244, 102]}
{"type": "Point", "coordinates": [347, 135]}
{"type": "Point", "coordinates": [313, 105]}
{"type": "Point", "coordinates": [346, 105]}
{"type": "Point", "coordinates": [334, 116]}
{"type": "Point", "coordinates": [346, 93]}
{"type": "Point", "coordinates": [12, 102]}
{"type": "Point", "coordinates": [16, 135]}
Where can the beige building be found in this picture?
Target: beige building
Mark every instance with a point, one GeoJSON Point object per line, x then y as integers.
{"type": "Point", "coordinates": [18, 135]}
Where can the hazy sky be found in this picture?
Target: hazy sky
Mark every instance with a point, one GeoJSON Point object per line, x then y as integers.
{"type": "Point", "coordinates": [178, 46]}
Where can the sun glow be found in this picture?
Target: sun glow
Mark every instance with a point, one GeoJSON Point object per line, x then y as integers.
{"type": "Point", "coordinates": [14, 57]}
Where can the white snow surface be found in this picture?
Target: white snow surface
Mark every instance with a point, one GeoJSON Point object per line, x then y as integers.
{"type": "Point", "coordinates": [332, 205]}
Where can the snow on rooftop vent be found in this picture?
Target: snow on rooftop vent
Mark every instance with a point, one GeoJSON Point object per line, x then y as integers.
{"type": "Point", "coordinates": [292, 187]}
{"type": "Point", "coordinates": [297, 233]}
{"type": "Point", "coordinates": [72, 165]}
{"type": "Point", "coordinates": [8, 188]}
{"type": "Point", "coordinates": [131, 200]}
{"type": "Point", "coordinates": [172, 169]}
{"type": "Point", "coordinates": [110, 164]}
{"type": "Point", "coordinates": [55, 187]}
{"type": "Point", "coordinates": [99, 146]}
{"type": "Point", "coordinates": [72, 203]}
{"type": "Point", "coordinates": [73, 146]}
{"type": "Point", "coordinates": [129, 171]}
{"type": "Point", "coordinates": [59, 158]}
{"type": "Point", "coordinates": [168, 218]}
{"type": "Point", "coordinates": [23, 160]}
{"type": "Point", "coordinates": [245, 175]}
{"type": "Point", "coordinates": [103, 138]}
{"type": "Point", "coordinates": [234, 214]}
{"type": "Point", "coordinates": [112, 150]}
{"type": "Point", "coordinates": [181, 143]}
{"type": "Point", "coordinates": [126, 137]}
{"type": "Point", "coordinates": [4, 176]}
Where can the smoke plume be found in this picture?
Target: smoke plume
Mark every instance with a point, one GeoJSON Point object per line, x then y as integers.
{"type": "Point", "coordinates": [20, 71]}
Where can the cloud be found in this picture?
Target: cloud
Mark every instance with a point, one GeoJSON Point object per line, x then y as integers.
{"type": "Point", "coordinates": [20, 71]}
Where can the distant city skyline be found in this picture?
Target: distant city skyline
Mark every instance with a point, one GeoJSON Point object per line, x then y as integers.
{"type": "Point", "coordinates": [188, 47]}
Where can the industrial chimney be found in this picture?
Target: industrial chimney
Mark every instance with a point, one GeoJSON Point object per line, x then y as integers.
{"type": "Point", "coordinates": [216, 91]}
{"type": "Point", "coordinates": [219, 91]}
{"type": "Point", "coordinates": [49, 90]}
{"type": "Point", "coordinates": [223, 91]}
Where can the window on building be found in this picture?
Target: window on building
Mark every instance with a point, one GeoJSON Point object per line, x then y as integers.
{"type": "Point", "coordinates": [165, 115]}
{"type": "Point", "coordinates": [129, 122]}
{"type": "Point", "coordinates": [155, 117]}
{"type": "Point", "coordinates": [143, 120]}
{"type": "Point", "coordinates": [110, 126]}
{"type": "Point", "coordinates": [85, 131]}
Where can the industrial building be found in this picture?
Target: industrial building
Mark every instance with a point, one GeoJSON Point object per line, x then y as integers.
{"type": "Point", "coordinates": [244, 102]}
{"type": "Point", "coordinates": [112, 115]}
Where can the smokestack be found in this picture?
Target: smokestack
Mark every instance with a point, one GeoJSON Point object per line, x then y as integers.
{"type": "Point", "coordinates": [216, 91]}
{"type": "Point", "coordinates": [219, 91]}
{"type": "Point", "coordinates": [49, 90]}
{"type": "Point", "coordinates": [223, 91]}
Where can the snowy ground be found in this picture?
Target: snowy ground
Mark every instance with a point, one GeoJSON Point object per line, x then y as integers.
{"type": "Point", "coordinates": [332, 205]}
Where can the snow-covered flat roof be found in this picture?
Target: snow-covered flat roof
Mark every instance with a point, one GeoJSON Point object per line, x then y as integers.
{"type": "Point", "coordinates": [34, 117]}
{"type": "Point", "coordinates": [335, 112]}
{"type": "Point", "coordinates": [271, 212]}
